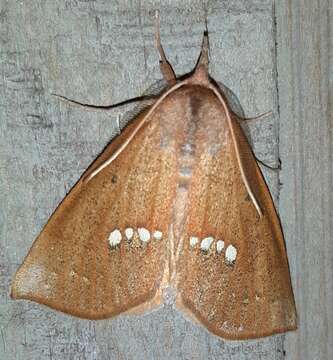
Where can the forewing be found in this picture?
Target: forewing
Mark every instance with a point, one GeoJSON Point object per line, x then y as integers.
{"type": "Point", "coordinates": [73, 267]}
{"type": "Point", "coordinates": [238, 286]}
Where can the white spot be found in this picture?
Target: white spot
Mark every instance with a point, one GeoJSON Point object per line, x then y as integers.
{"type": "Point", "coordinates": [129, 232]}
{"type": "Point", "coordinates": [115, 238]}
{"type": "Point", "coordinates": [158, 235]}
{"type": "Point", "coordinates": [206, 243]}
{"type": "Point", "coordinates": [144, 234]}
{"type": "Point", "coordinates": [193, 241]}
{"type": "Point", "coordinates": [219, 246]}
{"type": "Point", "coordinates": [230, 254]}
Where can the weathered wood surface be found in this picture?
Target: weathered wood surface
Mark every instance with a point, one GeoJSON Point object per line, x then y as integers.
{"type": "Point", "coordinates": [305, 75]}
{"type": "Point", "coordinates": [103, 52]}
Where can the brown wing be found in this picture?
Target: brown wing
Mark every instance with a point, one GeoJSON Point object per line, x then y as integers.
{"type": "Point", "coordinates": [72, 265]}
{"type": "Point", "coordinates": [236, 282]}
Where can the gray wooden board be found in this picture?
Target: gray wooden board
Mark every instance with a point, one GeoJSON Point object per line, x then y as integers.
{"type": "Point", "coordinates": [305, 75]}
{"type": "Point", "coordinates": [103, 52]}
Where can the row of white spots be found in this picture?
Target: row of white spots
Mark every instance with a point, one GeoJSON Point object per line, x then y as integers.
{"type": "Point", "coordinates": [230, 252]}
{"type": "Point", "coordinates": [144, 235]}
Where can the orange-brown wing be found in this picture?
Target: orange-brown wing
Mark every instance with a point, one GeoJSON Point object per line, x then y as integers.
{"type": "Point", "coordinates": [233, 274]}
{"type": "Point", "coordinates": [103, 251]}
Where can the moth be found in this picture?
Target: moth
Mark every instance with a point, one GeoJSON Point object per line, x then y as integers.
{"type": "Point", "coordinates": [175, 204]}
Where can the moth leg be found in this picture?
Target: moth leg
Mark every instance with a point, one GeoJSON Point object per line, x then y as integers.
{"type": "Point", "coordinates": [165, 67]}
{"type": "Point", "coordinates": [92, 107]}
{"type": "Point", "coordinates": [261, 116]}
{"type": "Point", "coordinates": [264, 115]}
{"type": "Point", "coordinates": [273, 168]}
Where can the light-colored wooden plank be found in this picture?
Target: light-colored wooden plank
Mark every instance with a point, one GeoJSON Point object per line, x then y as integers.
{"type": "Point", "coordinates": [306, 202]}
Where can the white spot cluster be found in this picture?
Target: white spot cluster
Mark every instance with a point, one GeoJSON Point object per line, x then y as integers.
{"type": "Point", "coordinates": [144, 235]}
{"type": "Point", "coordinates": [206, 244]}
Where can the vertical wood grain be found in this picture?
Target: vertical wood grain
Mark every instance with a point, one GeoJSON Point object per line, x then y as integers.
{"type": "Point", "coordinates": [306, 202]}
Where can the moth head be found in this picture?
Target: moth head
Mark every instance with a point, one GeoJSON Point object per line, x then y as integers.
{"type": "Point", "coordinates": [200, 73]}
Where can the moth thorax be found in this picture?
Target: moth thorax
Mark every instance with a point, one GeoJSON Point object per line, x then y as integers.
{"type": "Point", "coordinates": [186, 161]}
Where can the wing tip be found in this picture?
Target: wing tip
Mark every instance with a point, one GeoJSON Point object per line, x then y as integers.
{"type": "Point", "coordinates": [14, 293]}
{"type": "Point", "coordinates": [16, 290]}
